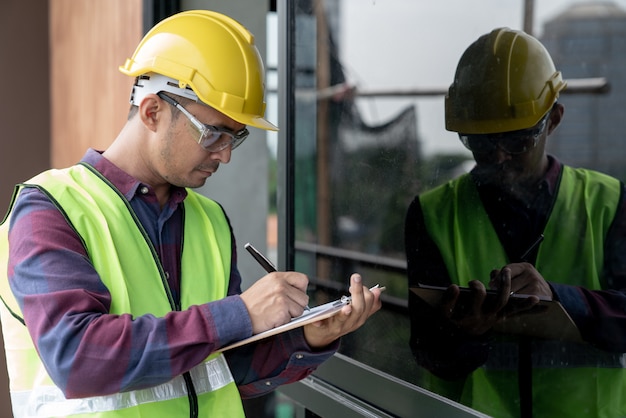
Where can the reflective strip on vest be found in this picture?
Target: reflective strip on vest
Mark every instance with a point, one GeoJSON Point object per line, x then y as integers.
{"type": "Point", "coordinates": [50, 402]}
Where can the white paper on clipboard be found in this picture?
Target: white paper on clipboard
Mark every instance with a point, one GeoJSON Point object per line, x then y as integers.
{"type": "Point", "coordinates": [315, 314]}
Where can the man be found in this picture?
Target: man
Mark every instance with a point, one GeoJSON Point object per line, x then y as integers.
{"type": "Point", "coordinates": [482, 230]}
{"type": "Point", "coordinates": [121, 318]}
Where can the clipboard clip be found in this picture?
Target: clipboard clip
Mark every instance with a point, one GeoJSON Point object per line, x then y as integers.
{"type": "Point", "coordinates": [347, 299]}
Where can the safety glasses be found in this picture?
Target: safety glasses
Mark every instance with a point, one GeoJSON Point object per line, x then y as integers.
{"type": "Point", "coordinates": [212, 138]}
{"type": "Point", "coordinates": [515, 142]}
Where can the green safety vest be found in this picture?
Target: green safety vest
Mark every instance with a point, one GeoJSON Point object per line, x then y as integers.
{"type": "Point", "coordinates": [568, 379]}
{"type": "Point", "coordinates": [128, 265]}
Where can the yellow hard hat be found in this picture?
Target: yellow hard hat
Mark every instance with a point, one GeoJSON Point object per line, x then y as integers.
{"type": "Point", "coordinates": [202, 55]}
{"type": "Point", "coordinates": [505, 81]}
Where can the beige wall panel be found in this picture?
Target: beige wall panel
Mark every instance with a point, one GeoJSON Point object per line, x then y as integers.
{"type": "Point", "coordinates": [89, 40]}
{"type": "Point", "coordinates": [24, 110]}
{"type": "Point", "coordinates": [59, 62]}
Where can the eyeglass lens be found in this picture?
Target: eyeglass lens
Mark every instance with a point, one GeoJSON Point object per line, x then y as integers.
{"type": "Point", "coordinates": [214, 139]}
{"type": "Point", "coordinates": [210, 135]}
{"type": "Point", "coordinates": [488, 143]}
{"type": "Point", "coordinates": [516, 142]}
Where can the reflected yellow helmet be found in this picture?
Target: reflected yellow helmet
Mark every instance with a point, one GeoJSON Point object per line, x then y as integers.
{"type": "Point", "coordinates": [505, 81]}
{"type": "Point", "coordinates": [206, 56]}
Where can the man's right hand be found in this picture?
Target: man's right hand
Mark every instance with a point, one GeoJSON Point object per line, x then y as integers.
{"type": "Point", "coordinates": [276, 298]}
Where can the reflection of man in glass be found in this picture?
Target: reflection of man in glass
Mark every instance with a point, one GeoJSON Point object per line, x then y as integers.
{"type": "Point", "coordinates": [503, 103]}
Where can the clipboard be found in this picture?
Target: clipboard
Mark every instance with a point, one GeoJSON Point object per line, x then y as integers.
{"type": "Point", "coordinates": [546, 320]}
{"type": "Point", "coordinates": [315, 314]}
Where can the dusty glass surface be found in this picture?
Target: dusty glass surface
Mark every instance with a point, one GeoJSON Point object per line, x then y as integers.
{"type": "Point", "coordinates": [370, 78]}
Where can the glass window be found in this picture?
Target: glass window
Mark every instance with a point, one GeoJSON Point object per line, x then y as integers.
{"type": "Point", "coordinates": [367, 81]}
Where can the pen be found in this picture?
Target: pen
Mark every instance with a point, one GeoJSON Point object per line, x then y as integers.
{"type": "Point", "coordinates": [260, 258]}
{"type": "Point", "coordinates": [264, 262]}
{"type": "Point", "coordinates": [532, 248]}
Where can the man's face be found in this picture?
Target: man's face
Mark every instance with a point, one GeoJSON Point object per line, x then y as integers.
{"type": "Point", "coordinates": [505, 170]}
{"type": "Point", "coordinates": [183, 162]}
{"type": "Point", "coordinates": [509, 160]}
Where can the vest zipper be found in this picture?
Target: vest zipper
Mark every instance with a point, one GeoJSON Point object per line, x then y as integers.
{"type": "Point", "coordinates": [191, 390]}
{"type": "Point", "coordinates": [191, 396]}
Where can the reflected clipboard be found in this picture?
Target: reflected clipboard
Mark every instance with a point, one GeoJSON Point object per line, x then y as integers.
{"type": "Point", "coordinates": [315, 314]}
{"type": "Point", "coordinates": [547, 320]}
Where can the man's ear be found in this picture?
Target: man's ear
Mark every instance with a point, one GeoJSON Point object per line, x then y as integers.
{"type": "Point", "coordinates": [151, 110]}
{"type": "Point", "coordinates": [556, 115]}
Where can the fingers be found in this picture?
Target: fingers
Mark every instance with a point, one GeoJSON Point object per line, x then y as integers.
{"type": "Point", "coordinates": [364, 302]}
{"type": "Point", "coordinates": [511, 278]}
{"type": "Point", "coordinates": [476, 310]}
{"type": "Point", "coordinates": [290, 288]}
{"type": "Point", "coordinates": [371, 297]}
{"type": "Point", "coordinates": [479, 291]}
{"type": "Point", "coordinates": [469, 304]}
{"type": "Point", "coordinates": [449, 300]}
{"type": "Point", "coordinates": [503, 289]}
{"type": "Point", "coordinates": [524, 279]}
{"type": "Point", "coordinates": [275, 298]}
{"type": "Point", "coordinates": [295, 279]}
{"type": "Point", "coordinates": [494, 276]}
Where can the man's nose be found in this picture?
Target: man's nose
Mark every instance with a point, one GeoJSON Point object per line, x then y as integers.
{"type": "Point", "coordinates": [499, 154]}
{"type": "Point", "coordinates": [223, 156]}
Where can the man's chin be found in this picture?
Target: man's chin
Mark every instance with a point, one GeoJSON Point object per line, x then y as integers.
{"type": "Point", "coordinates": [198, 183]}
{"type": "Point", "coordinates": [498, 178]}
{"type": "Point", "coordinates": [195, 182]}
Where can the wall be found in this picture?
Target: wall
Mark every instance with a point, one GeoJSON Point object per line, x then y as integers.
{"type": "Point", "coordinates": [61, 88]}
{"type": "Point", "coordinates": [89, 40]}
{"type": "Point", "coordinates": [24, 112]}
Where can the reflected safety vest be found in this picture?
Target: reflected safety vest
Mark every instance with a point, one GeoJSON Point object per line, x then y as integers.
{"type": "Point", "coordinates": [128, 265]}
{"type": "Point", "coordinates": [568, 379]}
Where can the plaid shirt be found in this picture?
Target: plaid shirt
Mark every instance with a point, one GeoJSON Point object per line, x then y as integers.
{"type": "Point", "coordinates": [89, 352]}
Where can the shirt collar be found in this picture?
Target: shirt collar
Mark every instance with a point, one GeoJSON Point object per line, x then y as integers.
{"type": "Point", "coordinates": [547, 184]}
{"type": "Point", "coordinates": [123, 181]}
{"type": "Point", "coordinates": [551, 178]}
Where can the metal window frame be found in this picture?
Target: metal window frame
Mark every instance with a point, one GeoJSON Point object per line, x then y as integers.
{"type": "Point", "coordinates": [156, 10]}
{"type": "Point", "coordinates": [341, 386]}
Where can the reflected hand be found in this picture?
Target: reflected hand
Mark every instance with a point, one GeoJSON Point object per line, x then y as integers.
{"type": "Point", "coordinates": [474, 317]}
{"type": "Point", "coordinates": [276, 298]}
{"type": "Point", "coordinates": [352, 316]}
{"type": "Point", "coordinates": [523, 278]}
